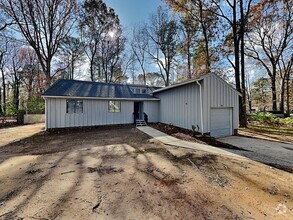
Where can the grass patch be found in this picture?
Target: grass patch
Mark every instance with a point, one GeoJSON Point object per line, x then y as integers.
{"type": "Point", "coordinates": [269, 129]}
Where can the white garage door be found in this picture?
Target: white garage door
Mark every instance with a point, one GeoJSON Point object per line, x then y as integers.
{"type": "Point", "coordinates": [221, 122]}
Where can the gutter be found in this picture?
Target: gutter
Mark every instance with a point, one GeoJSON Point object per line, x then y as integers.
{"type": "Point", "coordinates": [201, 106]}
{"type": "Point", "coordinates": [100, 98]}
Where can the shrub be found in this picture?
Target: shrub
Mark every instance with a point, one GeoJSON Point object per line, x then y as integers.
{"type": "Point", "coordinates": [35, 105]}
{"type": "Point", "coordinates": [264, 117]}
{"type": "Point", "coordinates": [287, 121]}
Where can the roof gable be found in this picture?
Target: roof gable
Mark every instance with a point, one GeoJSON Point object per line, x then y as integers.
{"type": "Point", "coordinates": [193, 81]}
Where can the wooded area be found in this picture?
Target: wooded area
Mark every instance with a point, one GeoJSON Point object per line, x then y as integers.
{"type": "Point", "coordinates": [248, 42]}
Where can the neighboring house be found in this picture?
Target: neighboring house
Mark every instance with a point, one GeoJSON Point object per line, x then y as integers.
{"type": "Point", "coordinates": [208, 104]}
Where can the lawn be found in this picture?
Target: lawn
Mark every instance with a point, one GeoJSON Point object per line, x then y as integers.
{"type": "Point", "coordinates": [268, 132]}
{"type": "Point", "coordinates": [119, 173]}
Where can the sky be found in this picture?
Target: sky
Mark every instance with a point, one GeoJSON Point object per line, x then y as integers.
{"type": "Point", "coordinates": [132, 12]}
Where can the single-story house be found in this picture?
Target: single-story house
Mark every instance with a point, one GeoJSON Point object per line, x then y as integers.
{"type": "Point", "coordinates": [208, 104]}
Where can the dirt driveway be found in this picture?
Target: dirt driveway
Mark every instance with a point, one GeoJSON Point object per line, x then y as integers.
{"type": "Point", "coordinates": [9, 135]}
{"type": "Point", "coordinates": [265, 151]}
{"type": "Point", "coordinates": [119, 173]}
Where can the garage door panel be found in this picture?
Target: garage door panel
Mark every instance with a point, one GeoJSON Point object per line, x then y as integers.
{"type": "Point", "coordinates": [221, 122]}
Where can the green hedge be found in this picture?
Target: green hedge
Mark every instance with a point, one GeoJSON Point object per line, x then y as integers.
{"type": "Point", "coordinates": [269, 118]}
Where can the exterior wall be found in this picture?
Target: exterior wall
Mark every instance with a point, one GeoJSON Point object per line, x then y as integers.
{"type": "Point", "coordinates": [180, 106]}
{"type": "Point", "coordinates": [95, 112]}
{"type": "Point", "coordinates": [151, 108]}
{"type": "Point", "coordinates": [218, 94]}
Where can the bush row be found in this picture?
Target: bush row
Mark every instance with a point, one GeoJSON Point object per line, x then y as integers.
{"type": "Point", "coordinates": [269, 118]}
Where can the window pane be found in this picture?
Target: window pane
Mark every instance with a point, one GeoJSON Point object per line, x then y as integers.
{"type": "Point", "coordinates": [78, 107]}
{"type": "Point", "coordinates": [143, 91]}
{"type": "Point", "coordinates": [137, 91]}
{"type": "Point", "coordinates": [117, 106]}
{"type": "Point", "coordinates": [114, 106]}
{"type": "Point", "coordinates": [70, 106]}
{"type": "Point", "coordinates": [111, 106]}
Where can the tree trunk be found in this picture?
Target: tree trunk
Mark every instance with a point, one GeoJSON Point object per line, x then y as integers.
{"type": "Point", "coordinates": [206, 39]}
{"type": "Point", "coordinates": [282, 95]}
{"type": "Point", "coordinates": [274, 92]}
{"type": "Point", "coordinates": [16, 95]}
{"type": "Point", "coordinates": [92, 69]}
{"type": "Point", "coordinates": [243, 118]}
{"type": "Point", "coordinates": [4, 93]}
{"type": "Point", "coordinates": [188, 57]}
{"type": "Point", "coordinates": [288, 93]}
{"type": "Point", "coordinates": [1, 111]}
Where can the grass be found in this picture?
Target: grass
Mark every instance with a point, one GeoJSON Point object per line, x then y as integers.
{"type": "Point", "coordinates": [271, 129]}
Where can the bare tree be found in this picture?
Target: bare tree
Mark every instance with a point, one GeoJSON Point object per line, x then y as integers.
{"type": "Point", "coordinates": [70, 55]}
{"type": "Point", "coordinates": [285, 65]}
{"type": "Point", "coordinates": [110, 56]}
{"type": "Point", "coordinates": [271, 33]}
{"type": "Point", "coordinates": [163, 41]}
{"type": "Point", "coordinates": [44, 24]}
{"type": "Point", "coordinates": [235, 15]}
{"type": "Point", "coordinates": [3, 60]}
{"type": "Point", "coordinates": [139, 47]}
{"type": "Point", "coordinates": [30, 70]}
{"type": "Point", "coordinates": [96, 21]}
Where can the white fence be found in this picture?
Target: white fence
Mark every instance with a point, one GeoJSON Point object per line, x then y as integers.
{"type": "Point", "coordinates": [34, 118]}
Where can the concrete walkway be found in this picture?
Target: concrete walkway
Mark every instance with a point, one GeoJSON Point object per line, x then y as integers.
{"type": "Point", "coordinates": [9, 135]}
{"type": "Point", "coordinates": [169, 140]}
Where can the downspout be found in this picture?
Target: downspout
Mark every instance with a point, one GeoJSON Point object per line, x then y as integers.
{"type": "Point", "coordinates": [201, 107]}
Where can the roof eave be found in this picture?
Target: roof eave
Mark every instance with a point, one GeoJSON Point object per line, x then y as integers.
{"type": "Point", "coordinates": [100, 98]}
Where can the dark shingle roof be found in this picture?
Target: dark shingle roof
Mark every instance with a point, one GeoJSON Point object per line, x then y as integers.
{"type": "Point", "coordinates": [75, 88]}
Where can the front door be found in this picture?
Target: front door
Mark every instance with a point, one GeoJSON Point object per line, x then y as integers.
{"type": "Point", "coordinates": [138, 111]}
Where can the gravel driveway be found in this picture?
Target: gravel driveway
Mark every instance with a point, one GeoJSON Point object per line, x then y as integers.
{"type": "Point", "coordinates": [269, 152]}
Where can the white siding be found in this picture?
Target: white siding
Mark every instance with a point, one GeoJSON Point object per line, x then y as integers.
{"type": "Point", "coordinates": [218, 94]}
{"type": "Point", "coordinates": [95, 112]}
{"type": "Point", "coordinates": [180, 106]}
{"type": "Point", "coordinates": [151, 108]}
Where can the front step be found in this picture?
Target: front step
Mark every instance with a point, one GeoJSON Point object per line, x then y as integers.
{"type": "Point", "coordinates": [140, 123]}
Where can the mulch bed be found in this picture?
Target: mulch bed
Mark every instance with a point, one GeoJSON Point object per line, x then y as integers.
{"type": "Point", "coordinates": [189, 135]}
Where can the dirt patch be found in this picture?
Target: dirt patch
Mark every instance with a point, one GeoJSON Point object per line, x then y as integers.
{"type": "Point", "coordinates": [70, 139]}
{"type": "Point", "coordinates": [104, 170]}
{"type": "Point", "coordinates": [189, 135]}
{"type": "Point", "coordinates": [131, 178]}
{"type": "Point", "coordinates": [33, 171]}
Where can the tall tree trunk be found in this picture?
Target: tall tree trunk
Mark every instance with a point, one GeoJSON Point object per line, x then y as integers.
{"type": "Point", "coordinates": [188, 57]}
{"type": "Point", "coordinates": [282, 95]}
{"type": "Point", "coordinates": [92, 69]}
{"type": "Point", "coordinates": [1, 111]}
{"type": "Point", "coordinates": [16, 95]}
{"type": "Point", "coordinates": [237, 59]}
{"type": "Point", "coordinates": [4, 92]}
{"type": "Point", "coordinates": [243, 118]}
{"type": "Point", "coordinates": [288, 93]}
{"type": "Point", "coordinates": [206, 38]}
{"type": "Point", "coordinates": [274, 90]}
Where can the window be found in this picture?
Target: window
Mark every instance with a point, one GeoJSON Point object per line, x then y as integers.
{"type": "Point", "coordinates": [114, 106]}
{"type": "Point", "coordinates": [143, 91]}
{"type": "Point", "coordinates": [137, 91]}
{"type": "Point", "coordinates": [74, 106]}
